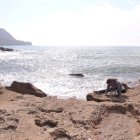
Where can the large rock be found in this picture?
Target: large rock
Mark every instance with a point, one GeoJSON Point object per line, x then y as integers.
{"type": "Point", "coordinates": [6, 49]}
{"type": "Point", "coordinates": [27, 88]}
{"type": "Point", "coordinates": [105, 98]}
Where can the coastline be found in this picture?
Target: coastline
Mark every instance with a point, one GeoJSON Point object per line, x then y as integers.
{"type": "Point", "coordinates": [34, 118]}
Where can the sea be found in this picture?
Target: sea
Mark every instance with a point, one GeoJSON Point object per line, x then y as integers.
{"type": "Point", "coordinates": [48, 68]}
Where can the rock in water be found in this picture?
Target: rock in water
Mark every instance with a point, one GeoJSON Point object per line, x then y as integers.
{"type": "Point", "coordinates": [6, 49]}
{"type": "Point", "coordinates": [27, 88]}
{"type": "Point", "coordinates": [77, 74]}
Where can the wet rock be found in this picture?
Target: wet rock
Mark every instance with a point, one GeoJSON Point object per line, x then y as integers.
{"type": "Point", "coordinates": [105, 98]}
{"type": "Point", "coordinates": [77, 75]}
{"type": "Point", "coordinates": [27, 88]}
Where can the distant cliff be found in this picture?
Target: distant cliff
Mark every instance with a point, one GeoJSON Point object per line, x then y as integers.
{"type": "Point", "coordinates": [7, 39]}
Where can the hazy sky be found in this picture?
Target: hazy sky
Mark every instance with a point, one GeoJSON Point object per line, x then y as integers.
{"type": "Point", "coordinates": [72, 22]}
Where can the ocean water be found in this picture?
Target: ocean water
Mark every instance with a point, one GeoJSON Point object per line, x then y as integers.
{"type": "Point", "coordinates": [48, 68]}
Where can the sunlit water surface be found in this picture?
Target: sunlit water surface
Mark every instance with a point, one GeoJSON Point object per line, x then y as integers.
{"type": "Point", "coordinates": [48, 68]}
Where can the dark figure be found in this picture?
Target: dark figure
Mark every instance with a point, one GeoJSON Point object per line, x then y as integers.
{"type": "Point", "coordinates": [114, 85]}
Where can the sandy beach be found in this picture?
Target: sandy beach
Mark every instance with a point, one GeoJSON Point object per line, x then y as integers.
{"type": "Point", "coordinates": [27, 117]}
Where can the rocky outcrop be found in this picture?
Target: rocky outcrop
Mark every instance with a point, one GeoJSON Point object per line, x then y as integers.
{"type": "Point", "coordinates": [103, 98]}
{"type": "Point", "coordinates": [7, 39]}
{"type": "Point", "coordinates": [5, 49]}
{"type": "Point", "coordinates": [26, 88]}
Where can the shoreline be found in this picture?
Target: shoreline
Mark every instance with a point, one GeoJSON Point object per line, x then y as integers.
{"type": "Point", "coordinates": [131, 84]}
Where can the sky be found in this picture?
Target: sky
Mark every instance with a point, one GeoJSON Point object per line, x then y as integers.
{"type": "Point", "coordinates": [73, 22]}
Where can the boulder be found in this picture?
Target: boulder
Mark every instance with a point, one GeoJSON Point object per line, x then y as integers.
{"type": "Point", "coordinates": [26, 88]}
{"type": "Point", "coordinates": [77, 74]}
{"type": "Point", "coordinates": [105, 98]}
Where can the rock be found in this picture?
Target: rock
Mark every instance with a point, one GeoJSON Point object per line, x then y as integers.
{"type": "Point", "coordinates": [94, 97]}
{"type": "Point", "coordinates": [103, 98]}
{"type": "Point", "coordinates": [77, 74]}
{"type": "Point", "coordinates": [48, 123]}
{"type": "Point", "coordinates": [6, 49]}
{"type": "Point", "coordinates": [26, 88]}
{"type": "Point", "coordinates": [60, 134]}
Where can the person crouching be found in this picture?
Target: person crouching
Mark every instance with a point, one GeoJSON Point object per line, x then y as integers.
{"type": "Point", "coordinates": [113, 85]}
